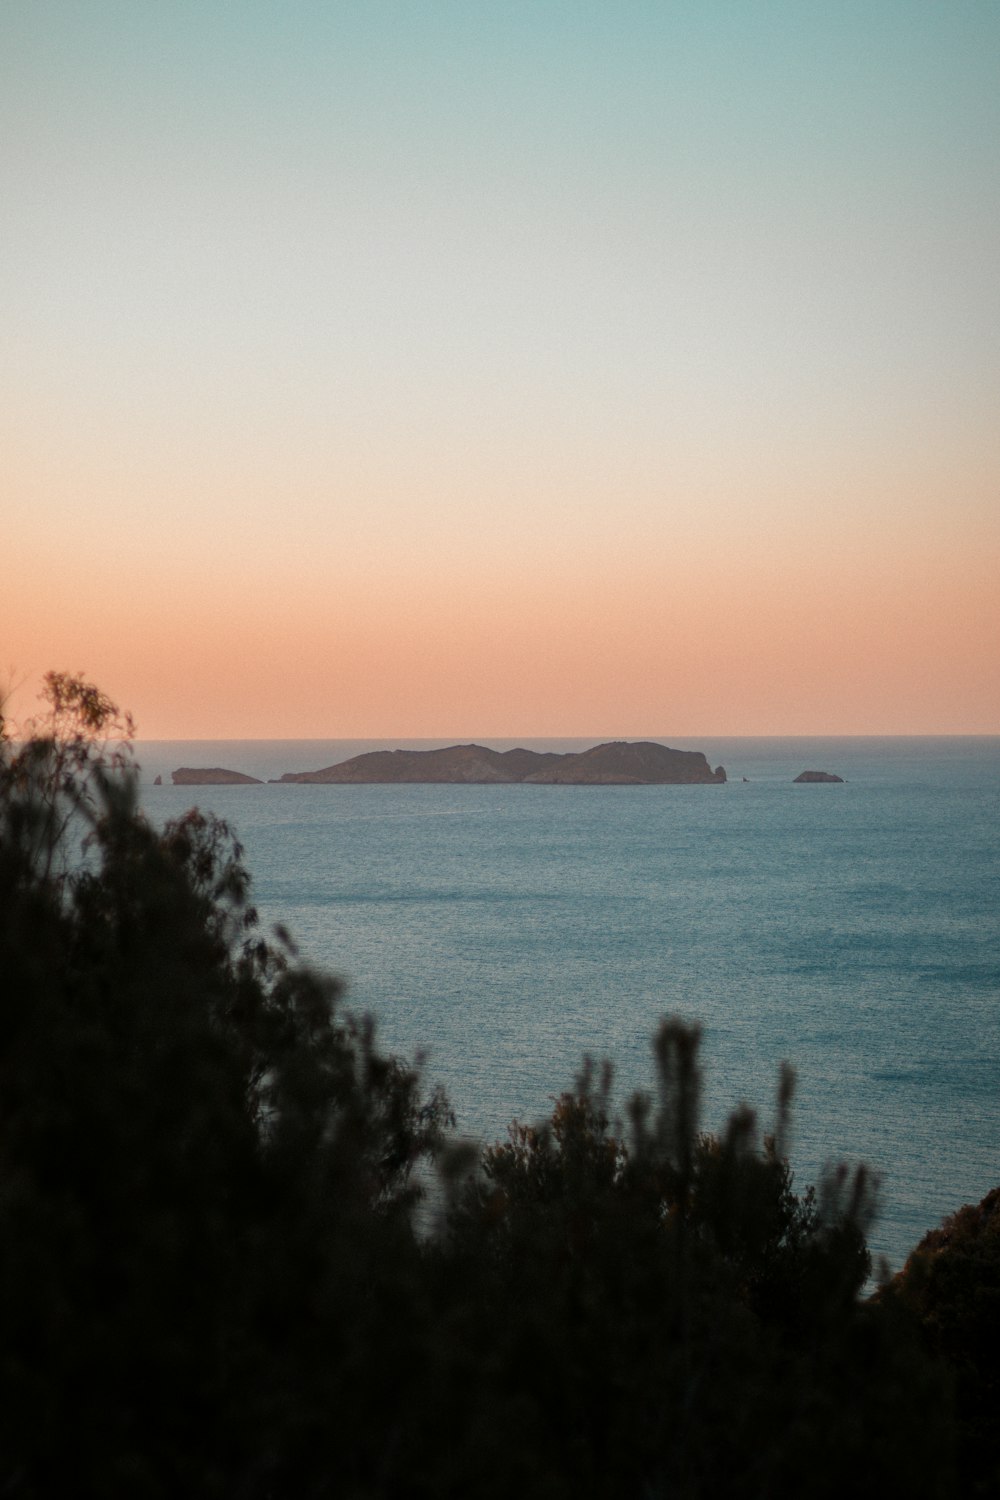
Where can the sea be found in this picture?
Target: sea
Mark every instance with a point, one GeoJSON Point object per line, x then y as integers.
{"type": "Point", "coordinates": [503, 933]}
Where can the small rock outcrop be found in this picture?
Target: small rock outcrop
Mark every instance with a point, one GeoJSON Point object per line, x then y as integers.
{"type": "Point", "coordinates": [212, 776]}
{"type": "Point", "coordinates": [616, 764]}
{"type": "Point", "coordinates": [818, 776]}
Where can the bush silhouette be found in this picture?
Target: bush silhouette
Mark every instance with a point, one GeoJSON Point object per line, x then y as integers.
{"type": "Point", "coordinates": [951, 1284]}
{"type": "Point", "coordinates": [666, 1316]}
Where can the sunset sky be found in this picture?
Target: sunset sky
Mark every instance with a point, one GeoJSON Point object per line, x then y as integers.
{"type": "Point", "coordinates": [458, 369]}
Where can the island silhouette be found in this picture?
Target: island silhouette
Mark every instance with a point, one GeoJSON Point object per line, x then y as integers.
{"type": "Point", "coordinates": [618, 763]}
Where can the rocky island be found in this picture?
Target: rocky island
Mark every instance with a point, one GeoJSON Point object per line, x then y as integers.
{"type": "Point", "coordinates": [818, 776]}
{"type": "Point", "coordinates": [620, 763]}
{"type": "Point", "coordinates": [212, 776]}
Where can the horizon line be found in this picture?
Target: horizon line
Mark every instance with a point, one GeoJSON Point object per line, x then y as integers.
{"type": "Point", "coordinates": [950, 734]}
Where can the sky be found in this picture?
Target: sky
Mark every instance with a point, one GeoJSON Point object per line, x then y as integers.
{"type": "Point", "coordinates": [447, 368]}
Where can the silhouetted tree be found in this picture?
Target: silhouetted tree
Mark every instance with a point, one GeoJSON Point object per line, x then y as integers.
{"type": "Point", "coordinates": [205, 1168]}
{"type": "Point", "coordinates": [951, 1285]}
{"type": "Point", "coordinates": [666, 1316]}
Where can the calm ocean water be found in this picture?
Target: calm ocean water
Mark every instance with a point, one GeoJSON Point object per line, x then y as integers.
{"type": "Point", "coordinates": [508, 930]}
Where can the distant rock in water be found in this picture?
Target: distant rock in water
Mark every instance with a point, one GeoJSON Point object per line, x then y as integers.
{"type": "Point", "coordinates": [619, 764]}
{"type": "Point", "coordinates": [212, 776]}
{"type": "Point", "coordinates": [818, 776]}
{"type": "Point", "coordinates": [158, 781]}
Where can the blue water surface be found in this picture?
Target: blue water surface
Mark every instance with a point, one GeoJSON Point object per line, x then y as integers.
{"type": "Point", "coordinates": [507, 930]}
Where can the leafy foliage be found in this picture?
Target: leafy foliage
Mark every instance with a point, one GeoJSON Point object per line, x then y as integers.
{"type": "Point", "coordinates": [202, 1162]}
{"type": "Point", "coordinates": [214, 1280]}
{"type": "Point", "coordinates": [951, 1284]}
{"type": "Point", "coordinates": [669, 1317]}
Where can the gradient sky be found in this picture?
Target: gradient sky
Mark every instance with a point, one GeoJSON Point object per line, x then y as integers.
{"type": "Point", "coordinates": [449, 368]}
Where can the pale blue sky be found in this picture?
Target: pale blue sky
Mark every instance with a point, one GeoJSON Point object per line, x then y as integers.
{"type": "Point", "coordinates": [395, 271]}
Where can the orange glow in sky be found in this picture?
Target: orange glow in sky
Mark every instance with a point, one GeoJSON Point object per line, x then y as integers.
{"type": "Point", "coordinates": [507, 372]}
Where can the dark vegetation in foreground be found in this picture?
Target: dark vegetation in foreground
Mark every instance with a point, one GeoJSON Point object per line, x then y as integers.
{"type": "Point", "coordinates": [213, 1283]}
